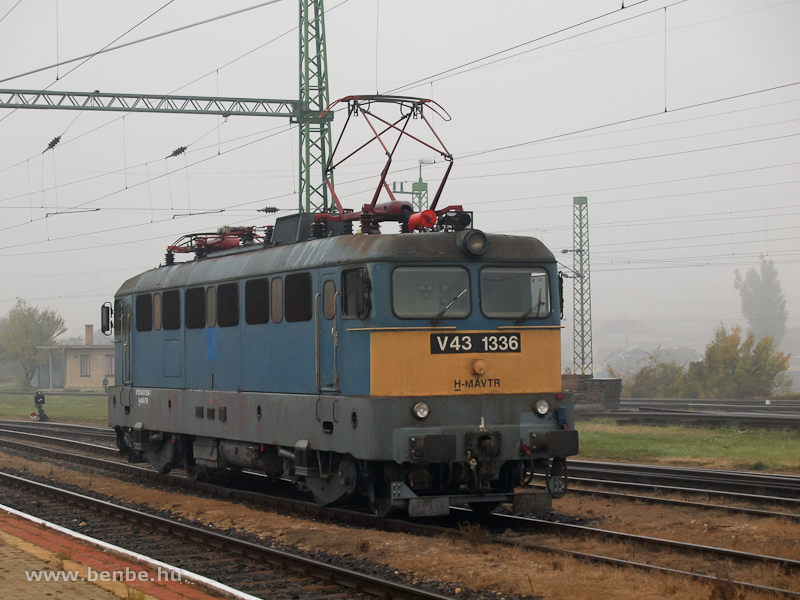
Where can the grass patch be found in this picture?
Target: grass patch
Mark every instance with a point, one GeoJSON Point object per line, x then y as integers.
{"type": "Point", "coordinates": [87, 410]}
{"type": "Point", "coordinates": [728, 447]}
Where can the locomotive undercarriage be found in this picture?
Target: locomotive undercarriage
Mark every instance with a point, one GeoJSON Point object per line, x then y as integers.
{"type": "Point", "coordinates": [423, 488]}
{"type": "Point", "coordinates": [339, 448]}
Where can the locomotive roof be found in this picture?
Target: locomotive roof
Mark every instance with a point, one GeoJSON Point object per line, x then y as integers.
{"type": "Point", "coordinates": [336, 251]}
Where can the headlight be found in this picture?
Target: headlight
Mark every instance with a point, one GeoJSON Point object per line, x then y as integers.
{"type": "Point", "coordinates": [474, 243]}
{"type": "Point", "coordinates": [541, 407]}
{"type": "Point", "coordinates": [421, 410]}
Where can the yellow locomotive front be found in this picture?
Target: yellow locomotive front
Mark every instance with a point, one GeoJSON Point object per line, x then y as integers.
{"type": "Point", "coordinates": [464, 375]}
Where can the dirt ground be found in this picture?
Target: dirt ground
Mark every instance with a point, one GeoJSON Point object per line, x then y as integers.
{"type": "Point", "coordinates": [508, 571]}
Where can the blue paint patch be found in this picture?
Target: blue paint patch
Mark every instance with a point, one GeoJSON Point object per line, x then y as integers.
{"type": "Point", "coordinates": [211, 343]}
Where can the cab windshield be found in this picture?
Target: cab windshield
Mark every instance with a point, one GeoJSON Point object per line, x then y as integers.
{"type": "Point", "coordinates": [515, 293]}
{"type": "Point", "coordinates": [430, 293]}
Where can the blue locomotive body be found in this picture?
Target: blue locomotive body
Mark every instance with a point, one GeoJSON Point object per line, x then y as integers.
{"type": "Point", "coordinates": [415, 370]}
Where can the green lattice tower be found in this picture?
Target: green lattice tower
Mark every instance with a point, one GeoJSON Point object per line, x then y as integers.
{"type": "Point", "coordinates": [582, 296]}
{"type": "Point", "coordinates": [315, 132]}
{"type": "Point", "coordinates": [419, 192]}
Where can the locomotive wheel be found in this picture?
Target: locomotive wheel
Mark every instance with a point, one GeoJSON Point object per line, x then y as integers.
{"type": "Point", "coordinates": [196, 472]}
{"type": "Point", "coordinates": [379, 506]}
{"type": "Point", "coordinates": [162, 459]}
{"type": "Point", "coordinates": [337, 485]}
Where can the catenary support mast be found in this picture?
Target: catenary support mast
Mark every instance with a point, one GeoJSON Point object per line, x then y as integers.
{"type": "Point", "coordinates": [582, 326]}
{"type": "Point", "coordinates": [315, 132]}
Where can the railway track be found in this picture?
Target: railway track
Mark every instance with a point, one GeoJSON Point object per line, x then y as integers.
{"type": "Point", "coordinates": [60, 427]}
{"type": "Point", "coordinates": [777, 405]}
{"type": "Point", "coordinates": [741, 484]}
{"type": "Point", "coordinates": [774, 414]}
{"type": "Point", "coordinates": [517, 523]}
{"type": "Point", "coordinates": [244, 565]}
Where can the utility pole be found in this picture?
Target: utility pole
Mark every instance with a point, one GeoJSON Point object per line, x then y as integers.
{"type": "Point", "coordinates": [582, 296]}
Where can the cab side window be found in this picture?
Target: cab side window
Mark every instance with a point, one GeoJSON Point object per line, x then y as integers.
{"type": "Point", "coordinates": [355, 294]}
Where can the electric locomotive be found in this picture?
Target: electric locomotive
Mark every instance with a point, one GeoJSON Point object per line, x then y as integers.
{"type": "Point", "coordinates": [415, 370]}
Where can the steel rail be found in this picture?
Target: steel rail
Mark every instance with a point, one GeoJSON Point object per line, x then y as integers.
{"type": "Point", "coordinates": [752, 419]}
{"type": "Point", "coordinates": [691, 490]}
{"type": "Point", "coordinates": [723, 480]}
{"type": "Point", "coordinates": [35, 437]}
{"type": "Point", "coordinates": [643, 539]}
{"type": "Point", "coordinates": [619, 562]}
{"type": "Point", "coordinates": [688, 503]}
{"type": "Point", "coordinates": [62, 427]}
{"type": "Point", "coordinates": [354, 580]}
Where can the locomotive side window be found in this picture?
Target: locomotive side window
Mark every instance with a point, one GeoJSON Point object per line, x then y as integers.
{"type": "Point", "coordinates": [277, 300]}
{"type": "Point", "coordinates": [194, 302]}
{"type": "Point", "coordinates": [144, 312]}
{"type": "Point", "coordinates": [355, 293]}
{"type": "Point", "coordinates": [157, 311]}
{"type": "Point", "coordinates": [171, 309]}
{"type": "Point", "coordinates": [256, 301]}
{"type": "Point", "coordinates": [211, 306]}
{"type": "Point", "coordinates": [228, 305]}
{"type": "Point", "coordinates": [329, 299]}
{"type": "Point", "coordinates": [430, 292]}
{"type": "Point", "coordinates": [118, 309]}
{"type": "Point", "coordinates": [298, 297]}
{"type": "Point", "coordinates": [515, 293]}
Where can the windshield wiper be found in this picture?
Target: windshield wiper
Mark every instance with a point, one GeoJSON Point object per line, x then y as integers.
{"type": "Point", "coordinates": [435, 320]}
{"type": "Point", "coordinates": [533, 308]}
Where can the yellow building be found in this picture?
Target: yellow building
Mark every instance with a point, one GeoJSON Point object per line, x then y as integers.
{"type": "Point", "coordinates": [79, 367]}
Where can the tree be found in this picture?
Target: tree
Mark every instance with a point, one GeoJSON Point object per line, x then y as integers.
{"type": "Point", "coordinates": [23, 329]}
{"type": "Point", "coordinates": [763, 302]}
{"type": "Point", "coordinates": [733, 368]}
{"type": "Point", "coordinates": [657, 380]}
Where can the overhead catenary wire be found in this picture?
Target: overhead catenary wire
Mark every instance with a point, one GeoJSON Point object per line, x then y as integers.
{"type": "Point", "coordinates": [166, 174]}
{"type": "Point", "coordinates": [436, 77]}
{"type": "Point", "coordinates": [10, 10]}
{"type": "Point", "coordinates": [109, 48]}
{"type": "Point", "coordinates": [610, 162]}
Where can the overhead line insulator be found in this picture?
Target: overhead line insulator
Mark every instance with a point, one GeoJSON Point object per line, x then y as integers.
{"type": "Point", "coordinates": [177, 151]}
{"type": "Point", "coordinates": [53, 143]}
